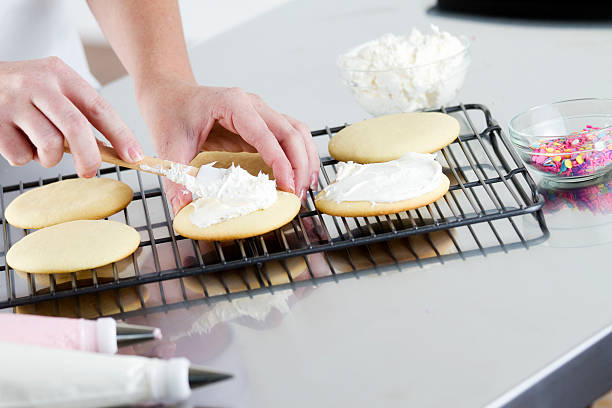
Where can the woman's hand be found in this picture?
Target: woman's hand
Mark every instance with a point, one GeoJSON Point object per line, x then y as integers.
{"type": "Point", "coordinates": [185, 118]}
{"type": "Point", "coordinates": [44, 103]}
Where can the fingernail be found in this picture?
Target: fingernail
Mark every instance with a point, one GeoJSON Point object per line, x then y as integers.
{"type": "Point", "coordinates": [302, 194]}
{"type": "Point", "coordinates": [314, 180]}
{"type": "Point", "coordinates": [135, 154]}
{"type": "Point", "coordinates": [292, 186]}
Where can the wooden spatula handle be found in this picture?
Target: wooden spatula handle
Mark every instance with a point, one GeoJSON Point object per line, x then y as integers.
{"type": "Point", "coordinates": [152, 164]}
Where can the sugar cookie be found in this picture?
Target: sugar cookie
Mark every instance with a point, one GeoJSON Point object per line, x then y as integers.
{"type": "Point", "coordinates": [251, 162]}
{"type": "Point", "coordinates": [258, 222]}
{"type": "Point", "coordinates": [73, 246]}
{"type": "Point", "coordinates": [68, 200]}
{"type": "Point", "coordinates": [106, 273]}
{"type": "Point", "coordinates": [367, 209]}
{"type": "Point", "coordinates": [389, 137]}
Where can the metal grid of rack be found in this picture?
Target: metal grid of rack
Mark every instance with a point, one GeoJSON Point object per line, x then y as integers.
{"type": "Point", "coordinates": [490, 190]}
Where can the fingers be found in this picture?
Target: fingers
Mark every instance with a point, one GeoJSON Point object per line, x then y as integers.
{"type": "Point", "coordinates": [14, 146]}
{"type": "Point", "coordinates": [311, 150]}
{"type": "Point", "coordinates": [247, 123]}
{"type": "Point", "coordinates": [47, 140]}
{"type": "Point", "coordinates": [48, 103]}
{"type": "Point", "coordinates": [75, 128]}
{"type": "Point", "coordinates": [292, 143]}
{"type": "Point", "coordinates": [101, 115]}
{"type": "Point", "coordinates": [183, 152]}
{"type": "Point", "coordinates": [178, 196]}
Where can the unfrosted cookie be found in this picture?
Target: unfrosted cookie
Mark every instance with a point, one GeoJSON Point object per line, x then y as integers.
{"type": "Point", "coordinates": [68, 200]}
{"type": "Point", "coordinates": [389, 137]}
{"type": "Point", "coordinates": [251, 162]}
{"type": "Point", "coordinates": [73, 246]}
{"type": "Point", "coordinates": [367, 209]}
{"type": "Point", "coordinates": [106, 273]}
{"type": "Point", "coordinates": [258, 222]}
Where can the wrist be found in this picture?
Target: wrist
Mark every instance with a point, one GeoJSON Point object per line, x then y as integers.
{"type": "Point", "coordinates": [151, 83]}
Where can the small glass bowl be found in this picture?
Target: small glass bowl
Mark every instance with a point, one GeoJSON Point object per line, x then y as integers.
{"type": "Point", "coordinates": [566, 141]}
{"type": "Point", "coordinates": [398, 90]}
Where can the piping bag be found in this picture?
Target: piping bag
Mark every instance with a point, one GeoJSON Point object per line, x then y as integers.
{"type": "Point", "coordinates": [34, 376]}
{"type": "Point", "coordinates": [103, 335]}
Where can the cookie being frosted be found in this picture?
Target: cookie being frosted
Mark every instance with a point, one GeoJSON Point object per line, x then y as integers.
{"type": "Point", "coordinates": [251, 162]}
{"type": "Point", "coordinates": [284, 209]}
{"type": "Point", "coordinates": [73, 246]}
{"type": "Point", "coordinates": [389, 137]}
{"type": "Point", "coordinates": [68, 200]}
{"type": "Point", "coordinates": [362, 190]}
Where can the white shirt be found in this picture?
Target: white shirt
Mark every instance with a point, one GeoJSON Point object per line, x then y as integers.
{"type": "Point", "coordinates": [31, 29]}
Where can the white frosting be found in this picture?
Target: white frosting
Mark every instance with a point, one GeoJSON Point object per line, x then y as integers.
{"type": "Point", "coordinates": [222, 193]}
{"type": "Point", "coordinates": [405, 73]}
{"type": "Point", "coordinates": [412, 175]}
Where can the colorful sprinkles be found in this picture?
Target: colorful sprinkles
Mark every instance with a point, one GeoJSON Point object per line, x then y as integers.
{"type": "Point", "coordinates": [579, 154]}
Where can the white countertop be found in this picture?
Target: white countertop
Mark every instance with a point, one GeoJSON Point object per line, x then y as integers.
{"type": "Point", "coordinates": [460, 334]}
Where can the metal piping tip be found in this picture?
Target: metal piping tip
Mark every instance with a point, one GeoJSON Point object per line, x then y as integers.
{"type": "Point", "coordinates": [128, 334]}
{"type": "Point", "coordinates": [200, 376]}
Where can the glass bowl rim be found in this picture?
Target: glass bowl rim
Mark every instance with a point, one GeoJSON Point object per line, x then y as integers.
{"type": "Point", "coordinates": [514, 133]}
{"type": "Point", "coordinates": [464, 39]}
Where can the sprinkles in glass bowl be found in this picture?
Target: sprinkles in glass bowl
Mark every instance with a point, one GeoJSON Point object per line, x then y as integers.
{"type": "Point", "coordinates": [579, 154]}
{"type": "Point", "coordinates": [566, 141]}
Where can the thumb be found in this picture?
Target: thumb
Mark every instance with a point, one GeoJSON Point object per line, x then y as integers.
{"type": "Point", "coordinates": [178, 151]}
{"type": "Point", "coordinates": [177, 195]}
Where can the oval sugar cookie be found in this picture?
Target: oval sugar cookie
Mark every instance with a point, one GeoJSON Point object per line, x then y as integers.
{"type": "Point", "coordinates": [106, 273]}
{"type": "Point", "coordinates": [251, 162]}
{"type": "Point", "coordinates": [68, 200]}
{"type": "Point", "coordinates": [258, 222]}
{"type": "Point", "coordinates": [389, 137]}
{"type": "Point", "coordinates": [73, 246]}
{"type": "Point", "coordinates": [367, 209]}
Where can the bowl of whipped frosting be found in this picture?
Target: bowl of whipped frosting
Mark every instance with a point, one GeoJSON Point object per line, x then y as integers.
{"type": "Point", "coordinates": [406, 73]}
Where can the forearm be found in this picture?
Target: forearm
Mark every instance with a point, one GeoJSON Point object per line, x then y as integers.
{"type": "Point", "coordinates": [147, 37]}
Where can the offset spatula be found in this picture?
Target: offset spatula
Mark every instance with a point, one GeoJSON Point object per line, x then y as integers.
{"type": "Point", "coordinates": [155, 165]}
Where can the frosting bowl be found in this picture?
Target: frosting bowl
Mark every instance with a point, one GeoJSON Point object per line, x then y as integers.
{"type": "Point", "coordinates": [408, 89]}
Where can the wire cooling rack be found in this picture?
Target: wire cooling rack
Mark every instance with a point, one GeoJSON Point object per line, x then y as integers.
{"type": "Point", "coordinates": [490, 195]}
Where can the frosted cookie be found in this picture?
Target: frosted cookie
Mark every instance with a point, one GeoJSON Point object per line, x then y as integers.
{"type": "Point", "coordinates": [363, 190]}
{"type": "Point", "coordinates": [389, 137]}
{"type": "Point", "coordinates": [284, 209]}
{"type": "Point", "coordinates": [231, 203]}
{"type": "Point", "coordinates": [251, 162]}
{"type": "Point", "coordinates": [68, 200]}
{"type": "Point", "coordinates": [73, 246]}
